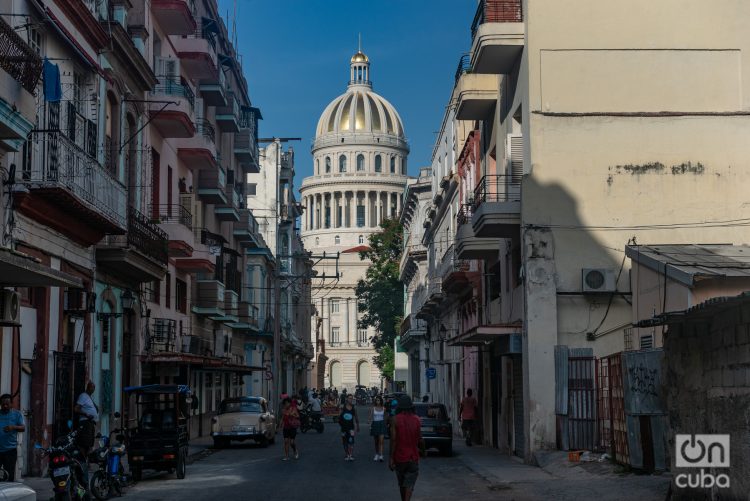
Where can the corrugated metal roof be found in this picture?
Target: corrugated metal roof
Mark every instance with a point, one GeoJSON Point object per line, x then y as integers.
{"type": "Point", "coordinates": [707, 308]}
{"type": "Point", "coordinates": [690, 263]}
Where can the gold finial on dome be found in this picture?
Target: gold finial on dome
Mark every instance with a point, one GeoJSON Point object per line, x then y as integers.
{"type": "Point", "coordinates": [360, 57]}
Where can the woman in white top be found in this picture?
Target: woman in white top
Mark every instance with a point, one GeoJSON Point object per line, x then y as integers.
{"type": "Point", "coordinates": [377, 427]}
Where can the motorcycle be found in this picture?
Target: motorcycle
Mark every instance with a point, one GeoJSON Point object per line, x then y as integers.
{"type": "Point", "coordinates": [111, 477]}
{"type": "Point", "coordinates": [310, 420]}
{"type": "Point", "coordinates": [66, 468]}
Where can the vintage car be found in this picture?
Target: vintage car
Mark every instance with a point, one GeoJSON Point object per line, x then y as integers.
{"type": "Point", "coordinates": [437, 430]}
{"type": "Point", "coordinates": [16, 491]}
{"type": "Point", "coordinates": [243, 418]}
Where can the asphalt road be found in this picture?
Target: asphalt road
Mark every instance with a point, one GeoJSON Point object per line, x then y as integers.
{"type": "Point", "coordinates": [250, 472]}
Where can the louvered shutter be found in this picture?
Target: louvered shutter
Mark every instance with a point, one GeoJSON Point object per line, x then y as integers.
{"type": "Point", "coordinates": [515, 147]}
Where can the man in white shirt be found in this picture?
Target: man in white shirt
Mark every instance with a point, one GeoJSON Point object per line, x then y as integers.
{"type": "Point", "coordinates": [315, 404]}
{"type": "Point", "coordinates": [88, 416]}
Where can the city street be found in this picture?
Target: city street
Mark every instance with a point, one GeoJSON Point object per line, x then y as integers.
{"type": "Point", "coordinates": [320, 473]}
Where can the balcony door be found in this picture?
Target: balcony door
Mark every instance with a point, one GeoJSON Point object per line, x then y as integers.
{"type": "Point", "coordinates": [155, 163]}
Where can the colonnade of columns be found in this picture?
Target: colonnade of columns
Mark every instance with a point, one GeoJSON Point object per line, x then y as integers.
{"type": "Point", "coordinates": [345, 320]}
{"type": "Point", "coordinates": [349, 209]}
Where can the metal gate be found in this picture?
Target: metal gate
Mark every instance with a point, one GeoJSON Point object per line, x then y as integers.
{"type": "Point", "coordinates": [612, 426]}
{"type": "Point", "coordinates": [519, 439]}
{"type": "Point", "coordinates": [70, 381]}
{"type": "Point", "coordinates": [581, 402]}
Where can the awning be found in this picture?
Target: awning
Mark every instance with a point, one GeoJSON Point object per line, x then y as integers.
{"type": "Point", "coordinates": [483, 334]}
{"type": "Point", "coordinates": [200, 362]}
{"type": "Point", "coordinates": [21, 270]}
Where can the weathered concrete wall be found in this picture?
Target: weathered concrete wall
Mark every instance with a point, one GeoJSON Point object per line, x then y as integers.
{"type": "Point", "coordinates": [707, 387]}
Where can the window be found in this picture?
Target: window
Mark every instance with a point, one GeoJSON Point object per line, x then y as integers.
{"type": "Point", "coordinates": [360, 162]}
{"type": "Point", "coordinates": [327, 217]}
{"type": "Point", "coordinates": [317, 166]}
{"type": "Point", "coordinates": [335, 307]}
{"type": "Point", "coordinates": [252, 189]}
{"type": "Point", "coordinates": [393, 165]}
{"type": "Point", "coordinates": [360, 216]}
{"type": "Point", "coordinates": [106, 328]}
{"type": "Point", "coordinates": [335, 335]}
{"type": "Point", "coordinates": [337, 240]}
{"type": "Point", "coordinates": [317, 241]}
{"type": "Point", "coordinates": [181, 295]}
{"type": "Point", "coordinates": [361, 239]}
{"type": "Point", "coordinates": [342, 163]}
{"type": "Point", "coordinates": [339, 216]}
{"type": "Point", "coordinates": [378, 163]}
{"type": "Point", "coordinates": [328, 165]}
{"type": "Point", "coordinates": [361, 337]}
{"type": "Point", "coordinates": [152, 290]}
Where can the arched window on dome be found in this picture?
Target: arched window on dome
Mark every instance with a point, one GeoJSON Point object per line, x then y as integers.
{"type": "Point", "coordinates": [342, 163]}
{"type": "Point", "coordinates": [317, 241]}
{"type": "Point", "coordinates": [393, 165]}
{"type": "Point", "coordinates": [337, 240]}
{"type": "Point", "coordinates": [328, 165]}
{"type": "Point", "coordinates": [361, 239]}
{"type": "Point", "coordinates": [378, 163]}
{"type": "Point", "coordinates": [360, 162]}
{"type": "Point", "coordinates": [317, 167]}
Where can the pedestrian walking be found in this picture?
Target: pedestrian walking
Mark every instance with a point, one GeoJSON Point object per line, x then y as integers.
{"type": "Point", "coordinates": [377, 427]}
{"type": "Point", "coordinates": [88, 417]}
{"type": "Point", "coordinates": [289, 423]}
{"type": "Point", "coordinates": [349, 423]}
{"type": "Point", "coordinates": [467, 412]}
{"type": "Point", "coordinates": [406, 446]}
{"type": "Point", "coordinates": [11, 424]}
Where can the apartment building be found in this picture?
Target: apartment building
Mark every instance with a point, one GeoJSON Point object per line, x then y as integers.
{"type": "Point", "coordinates": [589, 135]}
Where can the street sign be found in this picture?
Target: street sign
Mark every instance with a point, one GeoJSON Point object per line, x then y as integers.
{"type": "Point", "coordinates": [431, 373]}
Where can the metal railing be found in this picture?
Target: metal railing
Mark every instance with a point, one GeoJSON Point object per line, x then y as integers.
{"type": "Point", "coordinates": [162, 336]}
{"type": "Point", "coordinates": [18, 59]}
{"type": "Point", "coordinates": [435, 286]}
{"type": "Point", "coordinates": [464, 214]}
{"type": "Point", "coordinates": [172, 213]}
{"type": "Point", "coordinates": [196, 345]}
{"type": "Point", "coordinates": [245, 140]}
{"type": "Point", "coordinates": [497, 11]}
{"type": "Point", "coordinates": [65, 165]}
{"type": "Point", "coordinates": [205, 129]}
{"type": "Point", "coordinates": [144, 236]}
{"type": "Point", "coordinates": [232, 108]}
{"type": "Point", "coordinates": [497, 188]}
{"type": "Point", "coordinates": [464, 66]}
{"type": "Point", "coordinates": [451, 263]}
{"type": "Point", "coordinates": [172, 87]}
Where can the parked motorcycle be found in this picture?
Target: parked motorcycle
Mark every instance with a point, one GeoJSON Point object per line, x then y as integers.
{"type": "Point", "coordinates": [310, 420]}
{"type": "Point", "coordinates": [111, 477]}
{"type": "Point", "coordinates": [66, 468]}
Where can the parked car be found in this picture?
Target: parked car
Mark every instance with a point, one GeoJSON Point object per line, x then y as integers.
{"type": "Point", "coordinates": [437, 429]}
{"type": "Point", "coordinates": [16, 491]}
{"type": "Point", "coordinates": [243, 418]}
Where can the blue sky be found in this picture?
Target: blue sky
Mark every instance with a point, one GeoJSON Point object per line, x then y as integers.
{"type": "Point", "coordinates": [296, 60]}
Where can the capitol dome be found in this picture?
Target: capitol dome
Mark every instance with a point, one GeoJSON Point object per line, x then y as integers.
{"type": "Point", "coordinates": [359, 109]}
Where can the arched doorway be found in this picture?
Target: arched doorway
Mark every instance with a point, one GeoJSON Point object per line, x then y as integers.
{"type": "Point", "coordinates": [335, 374]}
{"type": "Point", "coordinates": [363, 373]}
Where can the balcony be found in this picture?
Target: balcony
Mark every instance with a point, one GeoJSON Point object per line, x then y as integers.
{"type": "Point", "coordinates": [247, 317]}
{"type": "Point", "coordinates": [413, 330]}
{"type": "Point", "coordinates": [141, 254]}
{"type": "Point", "coordinates": [228, 117]}
{"type": "Point", "coordinates": [162, 336]}
{"type": "Point", "coordinates": [246, 229]}
{"type": "Point", "coordinates": [197, 53]}
{"type": "Point", "coordinates": [246, 150]}
{"type": "Point", "coordinates": [475, 94]}
{"type": "Point", "coordinates": [22, 68]}
{"type": "Point", "coordinates": [176, 119]}
{"type": "Point", "coordinates": [65, 188]}
{"type": "Point", "coordinates": [197, 345]}
{"type": "Point", "coordinates": [212, 185]}
{"type": "Point", "coordinates": [177, 222]}
{"type": "Point", "coordinates": [497, 207]}
{"type": "Point", "coordinates": [230, 210]}
{"type": "Point", "coordinates": [214, 89]}
{"type": "Point", "coordinates": [175, 17]}
{"type": "Point", "coordinates": [209, 299]}
{"type": "Point", "coordinates": [231, 307]}
{"type": "Point", "coordinates": [199, 151]}
{"type": "Point", "coordinates": [468, 245]}
{"type": "Point", "coordinates": [497, 35]}
{"type": "Point", "coordinates": [459, 275]}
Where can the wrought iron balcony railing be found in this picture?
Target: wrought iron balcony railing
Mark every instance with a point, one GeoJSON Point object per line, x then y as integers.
{"type": "Point", "coordinates": [18, 59]}
{"type": "Point", "coordinates": [464, 66]}
{"type": "Point", "coordinates": [497, 11]}
{"type": "Point", "coordinates": [144, 236]}
{"type": "Point", "coordinates": [172, 213]}
{"type": "Point", "coordinates": [173, 87]}
{"type": "Point", "coordinates": [206, 129]}
{"type": "Point", "coordinates": [162, 336]}
{"type": "Point", "coordinates": [497, 188]}
{"type": "Point", "coordinates": [67, 166]}
{"type": "Point", "coordinates": [464, 213]}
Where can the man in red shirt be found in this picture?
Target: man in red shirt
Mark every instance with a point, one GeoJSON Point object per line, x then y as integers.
{"type": "Point", "coordinates": [406, 446]}
{"type": "Point", "coordinates": [468, 413]}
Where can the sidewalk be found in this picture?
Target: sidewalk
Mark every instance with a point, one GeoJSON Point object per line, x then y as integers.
{"type": "Point", "coordinates": [558, 479]}
{"type": "Point", "coordinates": [199, 448]}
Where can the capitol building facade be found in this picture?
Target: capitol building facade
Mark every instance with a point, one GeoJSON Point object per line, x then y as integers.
{"type": "Point", "coordinates": [359, 173]}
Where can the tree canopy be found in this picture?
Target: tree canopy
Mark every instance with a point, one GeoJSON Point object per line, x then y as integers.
{"type": "Point", "coordinates": [380, 294]}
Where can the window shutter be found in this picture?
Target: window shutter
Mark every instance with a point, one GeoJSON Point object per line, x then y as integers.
{"type": "Point", "coordinates": [515, 157]}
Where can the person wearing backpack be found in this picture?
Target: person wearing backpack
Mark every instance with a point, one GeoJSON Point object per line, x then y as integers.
{"type": "Point", "coordinates": [290, 423]}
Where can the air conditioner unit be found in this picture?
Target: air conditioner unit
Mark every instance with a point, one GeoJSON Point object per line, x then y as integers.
{"type": "Point", "coordinates": [597, 280]}
{"type": "Point", "coordinates": [75, 300]}
{"type": "Point", "coordinates": [10, 306]}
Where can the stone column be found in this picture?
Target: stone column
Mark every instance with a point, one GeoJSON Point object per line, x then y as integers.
{"type": "Point", "coordinates": [347, 327]}
{"type": "Point", "coordinates": [326, 321]}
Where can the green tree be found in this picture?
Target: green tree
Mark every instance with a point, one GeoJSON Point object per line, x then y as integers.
{"type": "Point", "coordinates": [380, 295]}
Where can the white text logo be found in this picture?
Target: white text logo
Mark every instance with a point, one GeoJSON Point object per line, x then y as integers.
{"type": "Point", "coordinates": [702, 451]}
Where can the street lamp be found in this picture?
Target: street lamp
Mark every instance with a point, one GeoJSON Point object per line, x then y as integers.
{"type": "Point", "coordinates": [128, 300]}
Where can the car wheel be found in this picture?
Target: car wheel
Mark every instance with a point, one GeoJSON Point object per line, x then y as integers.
{"type": "Point", "coordinates": [181, 467]}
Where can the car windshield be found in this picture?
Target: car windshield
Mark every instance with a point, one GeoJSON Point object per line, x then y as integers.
{"type": "Point", "coordinates": [241, 406]}
{"type": "Point", "coordinates": [431, 411]}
